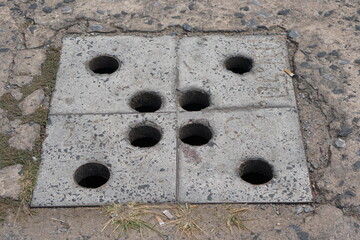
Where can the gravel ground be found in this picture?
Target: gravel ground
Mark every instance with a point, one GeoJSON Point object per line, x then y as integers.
{"type": "Point", "coordinates": [324, 44]}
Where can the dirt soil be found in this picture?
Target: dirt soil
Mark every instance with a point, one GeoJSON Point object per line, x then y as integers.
{"type": "Point", "coordinates": [324, 45]}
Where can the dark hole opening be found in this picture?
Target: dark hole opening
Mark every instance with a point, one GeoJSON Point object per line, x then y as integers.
{"type": "Point", "coordinates": [256, 171]}
{"type": "Point", "coordinates": [144, 136]}
{"type": "Point", "coordinates": [195, 134]}
{"type": "Point", "coordinates": [146, 102]}
{"type": "Point", "coordinates": [92, 175]}
{"type": "Point", "coordinates": [104, 65]}
{"type": "Point", "coordinates": [239, 64]}
{"type": "Point", "coordinates": [194, 100]}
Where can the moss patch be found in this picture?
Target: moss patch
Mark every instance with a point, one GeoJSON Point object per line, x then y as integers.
{"type": "Point", "coordinates": [29, 159]}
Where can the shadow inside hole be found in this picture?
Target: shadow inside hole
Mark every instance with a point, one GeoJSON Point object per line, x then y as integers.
{"type": "Point", "coordinates": [195, 134]}
{"type": "Point", "coordinates": [194, 100]}
{"type": "Point", "coordinates": [256, 171]}
{"type": "Point", "coordinates": [146, 102]}
{"type": "Point", "coordinates": [239, 64]}
{"type": "Point", "coordinates": [144, 136]}
{"type": "Point", "coordinates": [104, 65]}
{"type": "Point", "coordinates": [92, 175]}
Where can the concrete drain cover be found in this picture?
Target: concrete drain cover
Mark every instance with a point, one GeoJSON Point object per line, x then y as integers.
{"type": "Point", "coordinates": [198, 119]}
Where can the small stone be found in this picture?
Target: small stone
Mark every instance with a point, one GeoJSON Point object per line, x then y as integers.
{"type": "Point", "coordinates": [16, 93]}
{"type": "Point", "coordinates": [283, 12]}
{"type": "Point", "coordinates": [246, 8]}
{"type": "Point", "coordinates": [252, 22]}
{"type": "Point", "coordinates": [349, 193]}
{"type": "Point", "coordinates": [33, 6]}
{"type": "Point", "coordinates": [321, 54]}
{"type": "Point", "coordinates": [345, 131]}
{"type": "Point", "coordinates": [239, 15]}
{"type": "Point", "coordinates": [68, 1]}
{"type": "Point", "coordinates": [357, 153]}
{"type": "Point", "coordinates": [338, 91]}
{"type": "Point", "coordinates": [25, 136]}
{"type": "Point", "coordinates": [308, 209]}
{"type": "Point", "coordinates": [299, 210]}
{"type": "Point", "coordinates": [2, 4]}
{"type": "Point", "coordinates": [10, 185]}
{"type": "Point", "coordinates": [264, 14]}
{"type": "Point", "coordinates": [101, 12]}
{"type": "Point", "coordinates": [193, 6]}
{"type": "Point", "coordinates": [356, 166]}
{"type": "Point", "coordinates": [47, 9]}
{"type": "Point", "coordinates": [32, 102]}
{"type": "Point", "coordinates": [4, 50]}
{"type": "Point", "coordinates": [67, 10]}
{"type": "Point", "coordinates": [168, 8]}
{"type": "Point", "coordinates": [296, 228]}
{"type": "Point", "coordinates": [334, 67]}
{"type": "Point", "coordinates": [303, 235]}
{"type": "Point", "coordinates": [305, 65]}
{"type": "Point", "coordinates": [255, 2]}
{"type": "Point", "coordinates": [187, 27]}
{"type": "Point", "coordinates": [294, 33]}
{"type": "Point", "coordinates": [344, 61]}
{"type": "Point", "coordinates": [340, 143]}
{"type": "Point", "coordinates": [357, 61]}
{"type": "Point", "coordinates": [329, 13]}
{"type": "Point", "coordinates": [358, 11]}
{"type": "Point", "coordinates": [334, 53]}
{"type": "Point", "coordinates": [59, 5]}
{"type": "Point", "coordinates": [357, 27]}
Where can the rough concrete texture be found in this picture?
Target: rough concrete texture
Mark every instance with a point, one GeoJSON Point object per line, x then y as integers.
{"type": "Point", "coordinates": [136, 174]}
{"type": "Point", "coordinates": [10, 181]}
{"type": "Point", "coordinates": [322, 37]}
{"type": "Point", "coordinates": [211, 172]}
{"type": "Point", "coordinates": [202, 65]}
{"type": "Point", "coordinates": [146, 64]}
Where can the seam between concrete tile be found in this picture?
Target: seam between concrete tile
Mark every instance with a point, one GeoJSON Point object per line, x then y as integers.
{"type": "Point", "coordinates": [176, 87]}
{"type": "Point", "coordinates": [109, 113]}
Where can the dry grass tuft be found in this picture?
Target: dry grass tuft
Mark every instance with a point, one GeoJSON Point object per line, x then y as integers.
{"type": "Point", "coordinates": [235, 219]}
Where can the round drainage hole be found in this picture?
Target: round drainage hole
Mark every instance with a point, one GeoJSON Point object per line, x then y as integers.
{"type": "Point", "coordinates": [194, 100]}
{"type": "Point", "coordinates": [256, 171]}
{"type": "Point", "coordinates": [144, 136]}
{"type": "Point", "coordinates": [195, 134]}
{"type": "Point", "coordinates": [104, 65]}
{"type": "Point", "coordinates": [146, 102]}
{"type": "Point", "coordinates": [239, 64]}
{"type": "Point", "coordinates": [92, 175]}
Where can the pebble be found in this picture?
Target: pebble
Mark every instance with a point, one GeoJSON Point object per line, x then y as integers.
{"type": "Point", "coordinates": [168, 8]}
{"type": "Point", "coordinates": [357, 27]}
{"type": "Point", "coordinates": [338, 91]}
{"type": "Point", "coordinates": [296, 228]}
{"type": "Point", "coordinates": [246, 8]}
{"type": "Point", "coordinates": [356, 166]}
{"type": "Point", "coordinates": [344, 61]}
{"type": "Point", "coordinates": [308, 209]}
{"type": "Point", "coordinates": [67, 10]}
{"type": "Point", "coordinates": [357, 61]}
{"type": "Point", "coordinates": [340, 143]}
{"type": "Point", "coordinates": [299, 210]}
{"type": "Point", "coordinates": [255, 2]}
{"type": "Point", "coordinates": [283, 12]}
{"type": "Point", "coordinates": [58, 5]}
{"type": "Point", "coordinates": [101, 12]}
{"type": "Point", "coordinates": [303, 235]}
{"type": "Point", "coordinates": [33, 6]}
{"type": "Point", "coordinates": [187, 27]}
{"type": "Point", "coordinates": [329, 13]}
{"type": "Point", "coordinates": [47, 9]}
{"type": "Point", "coordinates": [68, 1]}
{"type": "Point", "coordinates": [239, 15]}
{"type": "Point", "coordinates": [294, 33]}
{"type": "Point", "coordinates": [2, 4]}
{"type": "Point", "coordinates": [3, 50]}
{"type": "Point", "coordinates": [305, 65]}
{"type": "Point", "coordinates": [193, 6]}
{"type": "Point", "coordinates": [357, 153]}
{"type": "Point", "coordinates": [334, 53]}
{"type": "Point", "coordinates": [264, 14]}
{"type": "Point", "coordinates": [321, 54]}
{"type": "Point", "coordinates": [334, 67]}
{"type": "Point", "coordinates": [344, 131]}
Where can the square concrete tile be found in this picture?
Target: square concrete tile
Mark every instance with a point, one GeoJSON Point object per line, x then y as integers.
{"type": "Point", "coordinates": [146, 64]}
{"type": "Point", "coordinates": [210, 173]}
{"type": "Point", "coordinates": [203, 63]}
{"type": "Point", "coordinates": [136, 174]}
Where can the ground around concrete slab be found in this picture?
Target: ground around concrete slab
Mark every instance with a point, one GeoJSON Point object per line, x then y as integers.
{"type": "Point", "coordinates": [323, 44]}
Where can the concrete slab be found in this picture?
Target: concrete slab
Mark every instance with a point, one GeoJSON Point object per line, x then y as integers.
{"type": "Point", "coordinates": [144, 64]}
{"type": "Point", "coordinates": [136, 174]}
{"type": "Point", "coordinates": [210, 173]}
{"type": "Point", "coordinates": [203, 61]}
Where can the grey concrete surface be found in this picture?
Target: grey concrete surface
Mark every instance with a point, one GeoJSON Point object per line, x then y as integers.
{"type": "Point", "coordinates": [145, 64]}
{"type": "Point", "coordinates": [202, 65]}
{"type": "Point", "coordinates": [210, 173]}
{"type": "Point", "coordinates": [136, 174]}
